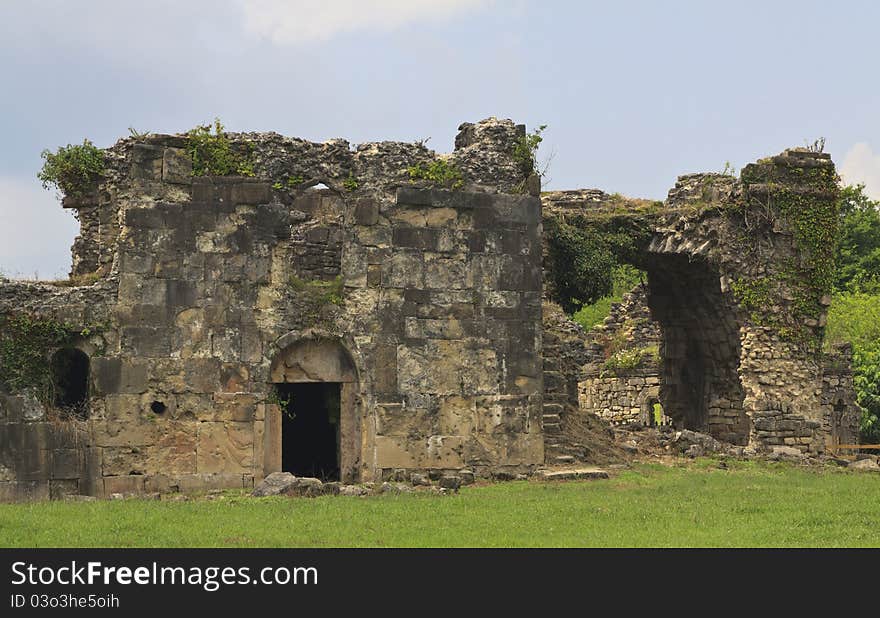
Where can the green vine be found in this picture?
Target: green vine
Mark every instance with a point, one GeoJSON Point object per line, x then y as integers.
{"type": "Point", "coordinates": [807, 199]}
{"type": "Point", "coordinates": [25, 344]}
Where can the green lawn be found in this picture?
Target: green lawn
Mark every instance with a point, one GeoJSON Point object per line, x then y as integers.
{"type": "Point", "coordinates": [699, 505]}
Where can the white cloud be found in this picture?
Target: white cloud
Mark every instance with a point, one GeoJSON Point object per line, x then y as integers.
{"type": "Point", "coordinates": [861, 165]}
{"type": "Point", "coordinates": [35, 233]}
{"type": "Point", "coordinates": [299, 21]}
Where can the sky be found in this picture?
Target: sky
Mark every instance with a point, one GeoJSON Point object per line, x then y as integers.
{"type": "Point", "coordinates": [633, 93]}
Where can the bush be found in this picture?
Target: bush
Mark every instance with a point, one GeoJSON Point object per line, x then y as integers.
{"type": "Point", "coordinates": [437, 172]}
{"type": "Point", "coordinates": [212, 153]}
{"type": "Point", "coordinates": [73, 169]}
{"type": "Point", "coordinates": [624, 278]}
{"type": "Point", "coordinates": [855, 317]}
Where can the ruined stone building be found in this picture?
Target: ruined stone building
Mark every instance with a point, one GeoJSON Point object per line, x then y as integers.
{"type": "Point", "coordinates": [353, 313]}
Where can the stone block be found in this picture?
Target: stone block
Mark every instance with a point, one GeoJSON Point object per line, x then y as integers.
{"type": "Point", "coordinates": [366, 212]}
{"type": "Point", "coordinates": [250, 192]}
{"type": "Point", "coordinates": [65, 464]}
{"type": "Point", "coordinates": [125, 485]}
{"type": "Point", "coordinates": [176, 166]}
{"type": "Point", "coordinates": [226, 447]}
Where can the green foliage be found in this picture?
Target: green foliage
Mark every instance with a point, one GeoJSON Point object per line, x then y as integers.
{"type": "Point", "coordinates": [213, 155]}
{"type": "Point", "coordinates": [814, 218]}
{"type": "Point", "coordinates": [525, 152]}
{"type": "Point", "coordinates": [25, 343]}
{"type": "Point", "coordinates": [858, 249]}
{"type": "Point", "coordinates": [754, 295]}
{"type": "Point", "coordinates": [73, 169]}
{"type": "Point", "coordinates": [628, 359]}
{"type": "Point", "coordinates": [624, 278]}
{"type": "Point", "coordinates": [746, 504]}
{"type": "Point", "coordinates": [315, 297]}
{"type": "Point", "coordinates": [350, 183]}
{"type": "Point", "coordinates": [854, 317]}
{"type": "Point", "coordinates": [583, 257]}
{"type": "Point", "coordinates": [439, 172]}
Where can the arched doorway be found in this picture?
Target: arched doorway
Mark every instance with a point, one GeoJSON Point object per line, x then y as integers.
{"type": "Point", "coordinates": [314, 428]}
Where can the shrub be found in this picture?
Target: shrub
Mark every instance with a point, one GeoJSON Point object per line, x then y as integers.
{"type": "Point", "coordinates": [212, 153]}
{"type": "Point", "coordinates": [439, 172]}
{"type": "Point", "coordinates": [73, 169]}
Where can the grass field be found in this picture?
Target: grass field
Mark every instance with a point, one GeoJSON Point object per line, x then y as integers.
{"type": "Point", "coordinates": [749, 504]}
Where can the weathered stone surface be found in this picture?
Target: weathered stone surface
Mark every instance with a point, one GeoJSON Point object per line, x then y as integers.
{"type": "Point", "coordinates": [274, 484]}
{"type": "Point", "coordinates": [574, 474]}
{"type": "Point", "coordinates": [869, 465]}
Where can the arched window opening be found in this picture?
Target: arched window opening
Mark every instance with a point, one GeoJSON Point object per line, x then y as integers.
{"type": "Point", "coordinates": [70, 379]}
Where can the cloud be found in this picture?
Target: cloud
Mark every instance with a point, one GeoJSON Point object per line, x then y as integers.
{"type": "Point", "coordinates": [35, 233]}
{"type": "Point", "coordinates": [861, 165]}
{"type": "Point", "coordinates": [301, 21]}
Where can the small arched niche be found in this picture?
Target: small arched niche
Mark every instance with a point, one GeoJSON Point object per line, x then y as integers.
{"type": "Point", "coordinates": [313, 428]}
{"type": "Point", "coordinates": [70, 381]}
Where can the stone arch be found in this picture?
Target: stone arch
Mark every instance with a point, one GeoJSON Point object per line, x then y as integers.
{"type": "Point", "coordinates": [317, 360]}
{"type": "Point", "coordinates": [650, 396]}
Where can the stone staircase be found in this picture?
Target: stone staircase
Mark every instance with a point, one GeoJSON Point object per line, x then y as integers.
{"type": "Point", "coordinates": [562, 350]}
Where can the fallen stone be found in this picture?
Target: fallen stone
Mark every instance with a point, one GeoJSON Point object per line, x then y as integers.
{"type": "Point", "coordinates": [572, 475]}
{"type": "Point", "coordinates": [865, 464]}
{"type": "Point", "coordinates": [419, 479]}
{"type": "Point", "coordinates": [395, 488]}
{"type": "Point", "coordinates": [785, 452]}
{"type": "Point", "coordinates": [353, 490]}
{"type": "Point", "coordinates": [450, 481]}
{"type": "Point", "coordinates": [331, 489]}
{"type": "Point", "coordinates": [79, 498]}
{"type": "Point", "coordinates": [694, 451]}
{"type": "Point", "coordinates": [273, 484]}
{"type": "Point", "coordinates": [686, 438]}
{"type": "Point", "coordinates": [303, 486]}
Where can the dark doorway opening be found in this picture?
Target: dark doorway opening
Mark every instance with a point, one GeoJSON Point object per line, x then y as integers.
{"type": "Point", "coordinates": [310, 415]}
{"type": "Point", "coordinates": [70, 378]}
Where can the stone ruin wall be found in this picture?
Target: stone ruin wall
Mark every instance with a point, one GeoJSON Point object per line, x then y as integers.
{"type": "Point", "coordinates": [623, 395]}
{"type": "Point", "coordinates": [721, 371]}
{"type": "Point", "coordinates": [202, 294]}
{"type": "Point", "coordinates": [205, 290]}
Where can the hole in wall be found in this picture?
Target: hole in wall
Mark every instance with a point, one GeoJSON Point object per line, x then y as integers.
{"type": "Point", "coordinates": [158, 407]}
{"type": "Point", "coordinates": [70, 380]}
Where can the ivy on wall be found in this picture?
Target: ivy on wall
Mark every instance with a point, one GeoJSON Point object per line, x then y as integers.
{"type": "Point", "coordinates": [25, 344]}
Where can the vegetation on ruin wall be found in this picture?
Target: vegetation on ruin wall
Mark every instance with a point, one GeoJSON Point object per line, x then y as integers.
{"type": "Point", "coordinates": [814, 219]}
{"type": "Point", "coordinates": [697, 504]}
{"type": "Point", "coordinates": [25, 344]}
{"type": "Point", "coordinates": [583, 254]}
{"type": "Point", "coordinates": [315, 298]}
{"type": "Point", "coordinates": [439, 173]}
{"type": "Point", "coordinates": [624, 278]}
{"type": "Point", "coordinates": [73, 169]}
{"type": "Point", "coordinates": [213, 154]}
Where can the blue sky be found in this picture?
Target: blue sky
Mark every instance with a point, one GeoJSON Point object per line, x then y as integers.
{"type": "Point", "coordinates": [634, 93]}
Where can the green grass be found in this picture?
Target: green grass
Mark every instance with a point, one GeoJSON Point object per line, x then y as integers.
{"type": "Point", "coordinates": [699, 505]}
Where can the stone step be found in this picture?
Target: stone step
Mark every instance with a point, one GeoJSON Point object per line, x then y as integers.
{"type": "Point", "coordinates": [551, 418]}
{"type": "Point", "coordinates": [553, 408]}
{"type": "Point", "coordinates": [563, 459]}
{"type": "Point", "coordinates": [574, 474]}
{"type": "Point", "coordinates": [553, 428]}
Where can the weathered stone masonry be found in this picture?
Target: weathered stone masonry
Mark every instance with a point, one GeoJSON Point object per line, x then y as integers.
{"type": "Point", "coordinates": [418, 313]}
{"type": "Point", "coordinates": [739, 324]}
{"type": "Point", "coordinates": [213, 295]}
